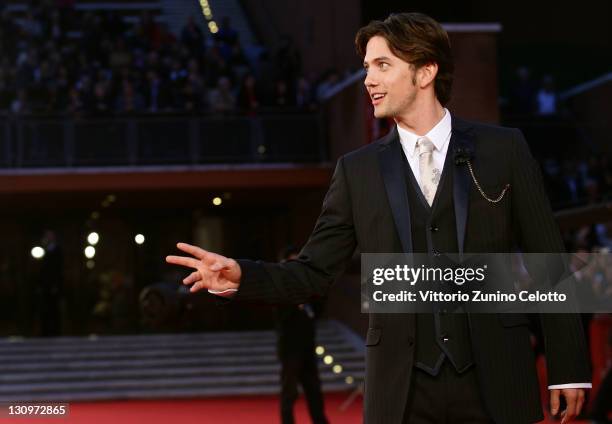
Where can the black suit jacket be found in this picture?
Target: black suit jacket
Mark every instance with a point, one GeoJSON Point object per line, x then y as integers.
{"type": "Point", "coordinates": [367, 207]}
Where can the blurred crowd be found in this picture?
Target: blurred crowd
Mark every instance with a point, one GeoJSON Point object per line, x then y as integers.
{"type": "Point", "coordinates": [576, 172]}
{"type": "Point", "coordinates": [574, 182]}
{"type": "Point", "coordinates": [56, 60]}
{"type": "Point", "coordinates": [530, 97]}
{"type": "Point", "coordinates": [591, 260]}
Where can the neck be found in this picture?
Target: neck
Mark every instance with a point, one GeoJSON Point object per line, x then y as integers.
{"type": "Point", "coordinates": [421, 119]}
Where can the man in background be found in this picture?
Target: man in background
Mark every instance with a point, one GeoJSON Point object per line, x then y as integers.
{"type": "Point", "coordinates": [296, 351]}
{"type": "Point", "coordinates": [51, 284]}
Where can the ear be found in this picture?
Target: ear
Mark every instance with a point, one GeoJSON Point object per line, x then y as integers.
{"type": "Point", "coordinates": [427, 74]}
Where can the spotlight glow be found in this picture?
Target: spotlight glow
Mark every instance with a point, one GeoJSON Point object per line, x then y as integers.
{"type": "Point", "coordinates": [217, 201]}
{"type": "Point", "coordinates": [93, 238]}
{"type": "Point", "coordinates": [90, 264]}
{"type": "Point", "coordinates": [37, 252]}
{"type": "Point", "coordinates": [320, 350]}
{"type": "Point", "coordinates": [90, 252]}
{"type": "Point", "coordinates": [328, 359]}
{"type": "Point", "coordinates": [139, 239]}
{"type": "Point", "coordinates": [337, 369]}
{"type": "Point", "coordinates": [349, 380]}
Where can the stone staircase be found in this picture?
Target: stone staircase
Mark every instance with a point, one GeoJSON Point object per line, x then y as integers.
{"type": "Point", "coordinates": [239, 19]}
{"type": "Point", "coordinates": [176, 13]}
{"type": "Point", "coordinates": [164, 366]}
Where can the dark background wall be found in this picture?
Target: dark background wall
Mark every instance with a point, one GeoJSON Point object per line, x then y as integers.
{"type": "Point", "coordinates": [571, 40]}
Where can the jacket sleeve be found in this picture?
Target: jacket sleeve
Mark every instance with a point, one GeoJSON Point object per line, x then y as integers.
{"type": "Point", "coordinates": [567, 355]}
{"type": "Point", "coordinates": [322, 259]}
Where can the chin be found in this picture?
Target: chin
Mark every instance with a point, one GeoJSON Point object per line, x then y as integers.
{"type": "Point", "coordinates": [379, 113]}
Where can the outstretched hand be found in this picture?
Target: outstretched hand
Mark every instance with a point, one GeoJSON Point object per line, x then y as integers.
{"type": "Point", "coordinates": [213, 272]}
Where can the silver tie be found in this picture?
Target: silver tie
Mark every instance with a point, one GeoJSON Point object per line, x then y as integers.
{"type": "Point", "coordinates": [429, 174]}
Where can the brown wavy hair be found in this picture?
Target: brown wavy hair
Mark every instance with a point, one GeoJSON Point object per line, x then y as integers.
{"type": "Point", "coordinates": [417, 39]}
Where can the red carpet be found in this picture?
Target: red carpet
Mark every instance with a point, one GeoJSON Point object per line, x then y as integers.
{"type": "Point", "coordinates": [235, 410]}
{"type": "Point", "coordinates": [225, 410]}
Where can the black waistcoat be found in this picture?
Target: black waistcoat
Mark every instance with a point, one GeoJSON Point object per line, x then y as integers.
{"type": "Point", "coordinates": [439, 335]}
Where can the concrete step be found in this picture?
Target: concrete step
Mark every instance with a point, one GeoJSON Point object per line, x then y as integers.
{"type": "Point", "coordinates": [324, 331]}
{"type": "Point", "coordinates": [218, 382]}
{"type": "Point", "coordinates": [164, 365]}
{"type": "Point", "coordinates": [157, 362]}
{"type": "Point", "coordinates": [93, 353]}
{"type": "Point", "coordinates": [150, 373]}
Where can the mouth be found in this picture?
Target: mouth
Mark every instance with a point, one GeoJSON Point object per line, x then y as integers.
{"type": "Point", "coordinates": [377, 98]}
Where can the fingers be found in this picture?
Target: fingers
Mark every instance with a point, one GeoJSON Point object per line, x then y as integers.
{"type": "Point", "coordinates": [192, 278]}
{"type": "Point", "coordinates": [196, 251]}
{"type": "Point", "coordinates": [220, 263]}
{"type": "Point", "coordinates": [195, 263]}
{"type": "Point", "coordinates": [183, 260]}
{"type": "Point", "coordinates": [554, 401]}
{"type": "Point", "coordinates": [212, 270]}
{"type": "Point", "coordinates": [197, 281]}
{"type": "Point", "coordinates": [571, 398]}
{"type": "Point", "coordinates": [580, 402]}
{"type": "Point", "coordinates": [197, 286]}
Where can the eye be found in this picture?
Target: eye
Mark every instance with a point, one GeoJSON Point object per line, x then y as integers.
{"type": "Point", "coordinates": [383, 66]}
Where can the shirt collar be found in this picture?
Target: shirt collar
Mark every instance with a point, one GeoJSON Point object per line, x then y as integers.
{"type": "Point", "coordinates": [438, 135]}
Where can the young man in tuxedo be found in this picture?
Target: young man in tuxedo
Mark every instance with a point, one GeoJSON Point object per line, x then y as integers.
{"type": "Point", "coordinates": [411, 192]}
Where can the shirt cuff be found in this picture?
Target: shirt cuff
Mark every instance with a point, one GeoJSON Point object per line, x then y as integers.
{"type": "Point", "coordinates": [228, 293]}
{"type": "Point", "coordinates": [571, 386]}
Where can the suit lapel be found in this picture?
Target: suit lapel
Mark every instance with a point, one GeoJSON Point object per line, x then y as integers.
{"type": "Point", "coordinates": [461, 138]}
{"type": "Point", "coordinates": [390, 160]}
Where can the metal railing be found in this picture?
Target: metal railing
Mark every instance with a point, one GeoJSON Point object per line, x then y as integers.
{"type": "Point", "coordinates": [53, 141]}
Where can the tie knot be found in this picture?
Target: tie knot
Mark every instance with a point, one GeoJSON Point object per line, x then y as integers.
{"type": "Point", "coordinates": [424, 145]}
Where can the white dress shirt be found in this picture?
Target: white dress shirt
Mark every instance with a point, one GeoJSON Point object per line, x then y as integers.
{"type": "Point", "coordinates": [440, 136]}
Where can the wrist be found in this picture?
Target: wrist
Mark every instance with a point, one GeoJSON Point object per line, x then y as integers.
{"type": "Point", "coordinates": [227, 293]}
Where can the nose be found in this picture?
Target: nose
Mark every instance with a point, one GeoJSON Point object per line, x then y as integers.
{"type": "Point", "coordinates": [369, 80]}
